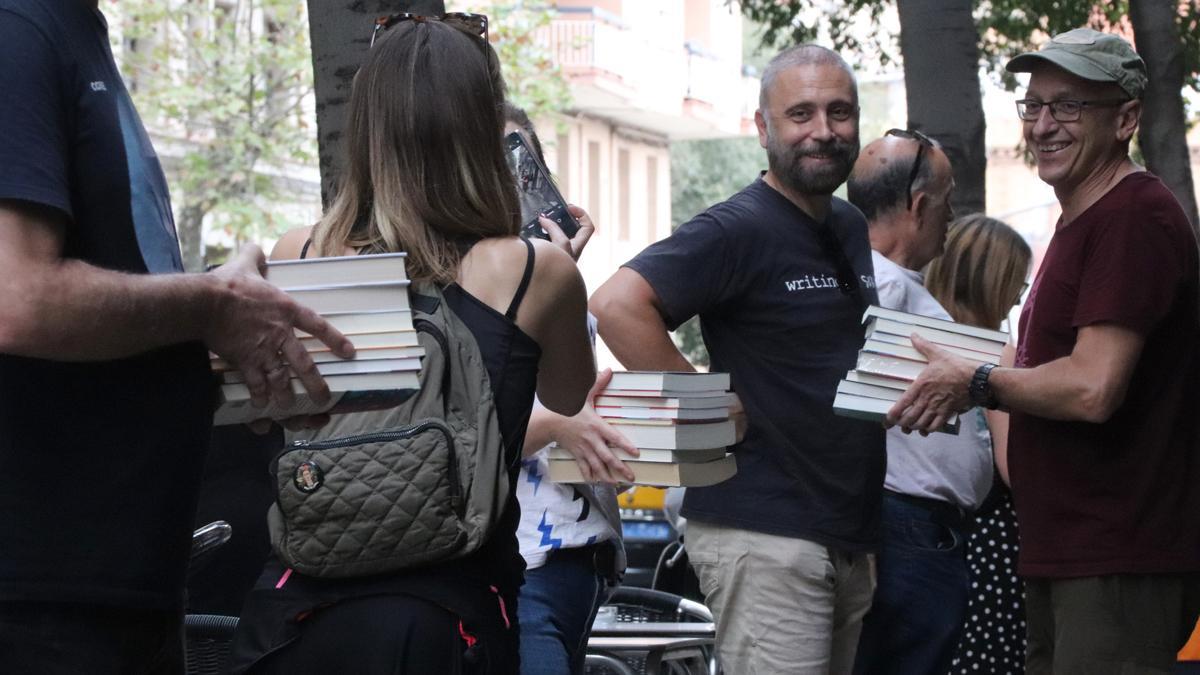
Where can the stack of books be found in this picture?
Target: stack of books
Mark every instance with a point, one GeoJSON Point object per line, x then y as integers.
{"type": "Point", "coordinates": [888, 362]}
{"type": "Point", "coordinates": [366, 298]}
{"type": "Point", "coordinates": [679, 422]}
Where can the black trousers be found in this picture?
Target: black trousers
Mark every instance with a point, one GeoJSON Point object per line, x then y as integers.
{"type": "Point", "coordinates": [394, 634]}
{"type": "Point", "coordinates": [83, 639]}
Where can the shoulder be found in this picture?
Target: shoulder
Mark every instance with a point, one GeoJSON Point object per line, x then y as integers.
{"type": "Point", "coordinates": [291, 244]}
{"type": "Point", "coordinates": [846, 213]}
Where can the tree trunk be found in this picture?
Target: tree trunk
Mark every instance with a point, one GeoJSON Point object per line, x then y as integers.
{"type": "Point", "coordinates": [940, 46]}
{"type": "Point", "coordinates": [1163, 134]}
{"type": "Point", "coordinates": [191, 236]}
{"type": "Point", "coordinates": [340, 33]}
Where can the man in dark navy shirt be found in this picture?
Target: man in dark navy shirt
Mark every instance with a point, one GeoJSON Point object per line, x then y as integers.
{"type": "Point", "coordinates": [105, 391]}
{"type": "Point", "coordinates": [779, 275]}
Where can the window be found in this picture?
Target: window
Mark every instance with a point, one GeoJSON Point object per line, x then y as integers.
{"type": "Point", "coordinates": [623, 184]}
{"type": "Point", "coordinates": [594, 182]}
{"type": "Point", "coordinates": [652, 197]}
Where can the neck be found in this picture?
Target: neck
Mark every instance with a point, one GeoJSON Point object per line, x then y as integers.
{"type": "Point", "coordinates": [886, 239]}
{"type": "Point", "coordinates": [1075, 200]}
{"type": "Point", "coordinates": [816, 206]}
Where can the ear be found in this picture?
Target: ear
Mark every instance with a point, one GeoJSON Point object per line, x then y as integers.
{"type": "Point", "coordinates": [761, 123]}
{"type": "Point", "coordinates": [1129, 115]}
{"type": "Point", "coordinates": [920, 205]}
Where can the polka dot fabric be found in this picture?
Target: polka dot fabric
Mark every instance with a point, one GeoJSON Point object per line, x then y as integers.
{"type": "Point", "coordinates": [994, 636]}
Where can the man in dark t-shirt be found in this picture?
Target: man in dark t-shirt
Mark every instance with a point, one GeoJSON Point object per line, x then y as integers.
{"type": "Point", "coordinates": [105, 391]}
{"type": "Point", "coordinates": [1104, 448]}
{"type": "Point", "coordinates": [779, 275]}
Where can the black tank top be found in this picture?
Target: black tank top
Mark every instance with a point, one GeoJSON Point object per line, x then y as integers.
{"type": "Point", "coordinates": [481, 587]}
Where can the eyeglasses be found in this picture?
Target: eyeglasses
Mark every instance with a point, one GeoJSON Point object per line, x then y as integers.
{"type": "Point", "coordinates": [923, 142]}
{"type": "Point", "coordinates": [1064, 110]}
{"type": "Point", "coordinates": [475, 24]}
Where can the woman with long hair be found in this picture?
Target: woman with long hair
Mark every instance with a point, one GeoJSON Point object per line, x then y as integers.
{"type": "Point", "coordinates": [978, 279]}
{"type": "Point", "coordinates": [427, 175]}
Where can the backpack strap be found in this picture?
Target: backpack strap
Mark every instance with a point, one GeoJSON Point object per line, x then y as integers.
{"type": "Point", "coordinates": [304, 250]}
{"type": "Point", "coordinates": [511, 314]}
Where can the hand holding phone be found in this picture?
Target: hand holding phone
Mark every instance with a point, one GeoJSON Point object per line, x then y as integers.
{"type": "Point", "coordinates": [536, 191]}
{"type": "Point", "coordinates": [572, 245]}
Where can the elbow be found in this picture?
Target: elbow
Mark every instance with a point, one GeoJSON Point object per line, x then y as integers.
{"type": "Point", "coordinates": [1100, 402]}
{"type": "Point", "coordinates": [602, 305]}
{"type": "Point", "coordinates": [17, 328]}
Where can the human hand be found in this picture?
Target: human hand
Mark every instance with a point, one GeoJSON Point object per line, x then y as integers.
{"type": "Point", "coordinates": [591, 441]}
{"type": "Point", "coordinates": [575, 245]}
{"type": "Point", "coordinates": [253, 325]}
{"type": "Point", "coordinates": [938, 392]}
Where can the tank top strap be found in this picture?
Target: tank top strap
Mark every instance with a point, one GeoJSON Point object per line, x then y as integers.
{"type": "Point", "coordinates": [511, 314]}
{"type": "Point", "coordinates": [304, 249]}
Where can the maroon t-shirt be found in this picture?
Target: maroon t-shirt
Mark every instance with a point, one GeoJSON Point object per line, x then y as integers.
{"type": "Point", "coordinates": [1122, 496]}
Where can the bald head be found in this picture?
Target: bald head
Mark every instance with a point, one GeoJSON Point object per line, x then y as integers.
{"type": "Point", "coordinates": [907, 214]}
{"type": "Point", "coordinates": [880, 180]}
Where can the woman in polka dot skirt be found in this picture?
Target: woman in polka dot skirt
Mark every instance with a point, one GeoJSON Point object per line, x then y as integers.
{"type": "Point", "coordinates": [978, 279]}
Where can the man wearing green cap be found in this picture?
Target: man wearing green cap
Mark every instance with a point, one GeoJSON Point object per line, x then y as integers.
{"type": "Point", "coordinates": [1104, 451]}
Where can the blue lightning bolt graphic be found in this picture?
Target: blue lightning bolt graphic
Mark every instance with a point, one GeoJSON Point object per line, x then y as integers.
{"type": "Point", "coordinates": [545, 529]}
{"type": "Point", "coordinates": [532, 475]}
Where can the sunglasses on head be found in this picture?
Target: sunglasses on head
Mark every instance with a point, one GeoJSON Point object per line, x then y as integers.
{"type": "Point", "coordinates": [923, 142]}
{"type": "Point", "coordinates": [475, 24]}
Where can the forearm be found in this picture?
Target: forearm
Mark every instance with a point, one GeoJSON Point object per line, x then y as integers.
{"type": "Point", "coordinates": [1058, 390]}
{"type": "Point", "coordinates": [638, 337]}
{"type": "Point", "coordinates": [68, 310]}
{"type": "Point", "coordinates": [542, 430]}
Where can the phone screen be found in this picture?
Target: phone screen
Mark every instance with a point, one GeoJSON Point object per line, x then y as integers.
{"type": "Point", "coordinates": [536, 191]}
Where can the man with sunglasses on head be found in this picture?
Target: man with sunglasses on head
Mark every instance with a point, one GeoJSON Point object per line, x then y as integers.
{"type": "Point", "coordinates": [106, 395]}
{"type": "Point", "coordinates": [779, 275]}
{"type": "Point", "coordinates": [1104, 446]}
{"type": "Point", "coordinates": [902, 184]}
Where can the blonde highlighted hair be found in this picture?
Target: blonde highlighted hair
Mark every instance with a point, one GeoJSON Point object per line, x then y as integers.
{"type": "Point", "coordinates": [980, 275]}
{"type": "Point", "coordinates": [427, 173]}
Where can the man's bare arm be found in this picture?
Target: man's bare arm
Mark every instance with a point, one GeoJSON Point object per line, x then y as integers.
{"type": "Point", "coordinates": [1087, 385]}
{"type": "Point", "coordinates": [68, 310]}
{"type": "Point", "coordinates": [629, 319]}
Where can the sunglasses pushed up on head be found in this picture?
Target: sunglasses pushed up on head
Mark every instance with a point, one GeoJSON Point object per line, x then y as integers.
{"type": "Point", "coordinates": [475, 24]}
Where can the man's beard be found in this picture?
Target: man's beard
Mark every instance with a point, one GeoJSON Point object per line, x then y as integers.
{"type": "Point", "coordinates": [787, 165]}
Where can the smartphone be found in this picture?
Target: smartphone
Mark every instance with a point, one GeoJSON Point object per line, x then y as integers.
{"type": "Point", "coordinates": [536, 191]}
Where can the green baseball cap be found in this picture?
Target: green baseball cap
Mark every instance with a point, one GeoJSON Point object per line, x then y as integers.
{"type": "Point", "coordinates": [1092, 55]}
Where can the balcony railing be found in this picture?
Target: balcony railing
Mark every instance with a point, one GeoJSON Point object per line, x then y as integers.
{"type": "Point", "coordinates": [626, 69]}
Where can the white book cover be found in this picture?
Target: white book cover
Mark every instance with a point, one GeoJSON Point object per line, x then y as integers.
{"type": "Point", "coordinates": [627, 412]}
{"type": "Point", "coordinates": [684, 398]}
{"type": "Point", "coordinates": [406, 379]}
{"type": "Point", "coordinates": [380, 297]}
{"type": "Point", "coordinates": [874, 410]}
{"type": "Point", "coordinates": [663, 474]}
{"type": "Point", "coordinates": [368, 323]}
{"type": "Point", "coordinates": [676, 436]}
{"type": "Point", "coordinates": [362, 354]}
{"type": "Point", "coordinates": [652, 455]}
{"type": "Point", "coordinates": [357, 269]}
{"type": "Point", "coordinates": [888, 366]}
{"type": "Point", "coordinates": [877, 380]}
{"type": "Point", "coordinates": [869, 390]}
{"type": "Point", "coordinates": [930, 322]}
{"type": "Point", "coordinates": [899, 332]}
{"type": "Point", "coordinates": [650, 380]}
{"type": "Point", "coordinates": [911, 353]}
{"type": "Point", "coordinates": [356, 366]}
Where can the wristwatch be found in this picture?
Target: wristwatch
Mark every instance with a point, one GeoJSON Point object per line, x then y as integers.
{"type": "Point", "coordinates": [980, 391]}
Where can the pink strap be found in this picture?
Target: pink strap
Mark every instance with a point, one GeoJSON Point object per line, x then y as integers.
{"type": "Point", "coordinates": [283, 579]}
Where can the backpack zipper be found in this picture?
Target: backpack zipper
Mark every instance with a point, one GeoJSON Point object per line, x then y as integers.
{"type": "Point", "coordinates": [393, 435]}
